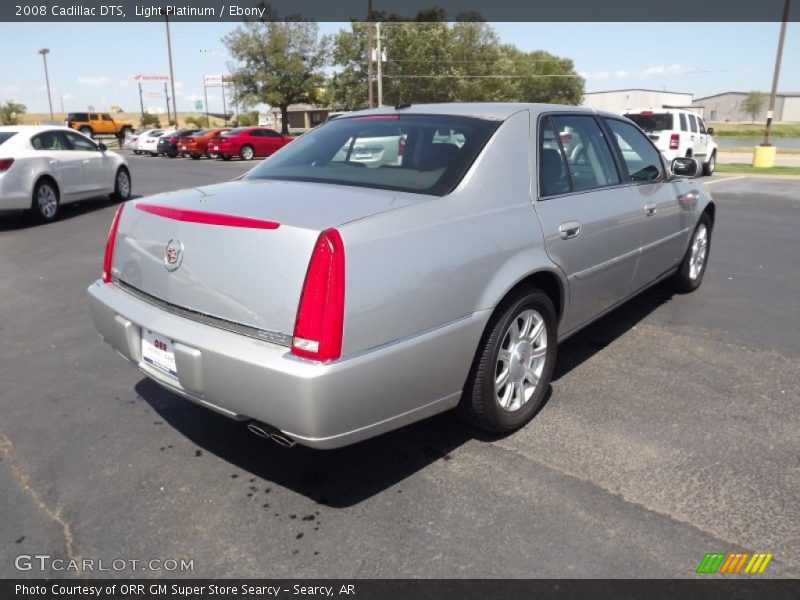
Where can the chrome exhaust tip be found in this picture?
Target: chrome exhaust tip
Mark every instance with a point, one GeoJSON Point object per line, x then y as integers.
{"type": "Point", "coordinates": [270, 433]}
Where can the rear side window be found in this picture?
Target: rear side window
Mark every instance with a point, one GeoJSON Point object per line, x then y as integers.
{"type": "Point", "coordinates": [684, 127]}
{"type": "Point", "coordinates": [553, 176]}
{"type": "Point", "coordinates": [641, 158]}
{"type": "Point", "coordinates": [653, 121]}
{"type": "Point", "coordinates": [6, 135]}
{"type": "Point", "coordinates": [589, 159]}
{"type": "Point", "coordinates": [392, 152]}
{"type": "Point", "coordinates": [693, 123]}
{"type": "Point", "coordinates": [50, 140]}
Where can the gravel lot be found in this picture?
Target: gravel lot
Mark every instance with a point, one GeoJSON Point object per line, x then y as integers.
{"type": "Point", "coordinates": [671, 431]}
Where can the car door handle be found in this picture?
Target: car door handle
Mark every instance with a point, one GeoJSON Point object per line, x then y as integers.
{"type": "Point", "coordinates": [568, 230]}
{"type": "Point", "coordinates": [649, 209]}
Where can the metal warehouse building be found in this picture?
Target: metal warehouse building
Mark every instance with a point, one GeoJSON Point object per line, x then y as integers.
{"type": "Point", "coordinates": [728, 107]}
{"type": "Point", "coordinates": [619, 101]}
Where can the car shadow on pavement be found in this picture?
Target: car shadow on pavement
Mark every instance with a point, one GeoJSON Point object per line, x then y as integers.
{"type": "Point", "coordinates": [13, 221]}
{"type": "Point", "coordinates": [347, 476]}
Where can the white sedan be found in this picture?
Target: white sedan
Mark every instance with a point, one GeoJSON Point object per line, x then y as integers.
{"type": "Point", "coordinates": [148, 142]}
{"type": "Point", "coordinates": [43, 167]}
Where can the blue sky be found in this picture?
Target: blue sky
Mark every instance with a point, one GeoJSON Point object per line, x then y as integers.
{"type": "Point", "coordinates": [92, 63]}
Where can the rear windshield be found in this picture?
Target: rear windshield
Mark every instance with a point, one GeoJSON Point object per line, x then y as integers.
{"type": "Point", "coordinates": [5, 135]}
{"type": "Point", "coordinates": [235, 131]}
{"type": "Point", "coordinates": [424, 154]}
{"type": "Point", "coordinates": [653, 122]}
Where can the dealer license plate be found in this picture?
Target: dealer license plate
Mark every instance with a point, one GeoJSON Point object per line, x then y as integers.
{"type": "Point", "coordinates": [159, 352]}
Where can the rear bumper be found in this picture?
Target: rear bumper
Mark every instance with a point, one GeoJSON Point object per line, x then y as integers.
{"type": "Point", "coordinates": [318, 405]}
{"type": "Point", "coordinates": [15, 191]}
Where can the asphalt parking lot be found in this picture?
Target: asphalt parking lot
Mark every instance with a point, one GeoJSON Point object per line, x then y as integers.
{"type": "Point", "coordinates": [671, 431]}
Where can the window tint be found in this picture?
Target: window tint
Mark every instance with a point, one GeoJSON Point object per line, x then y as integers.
{"type": "Point", "coordinates": [553, 177]}
{"type": "Point", "coordinates": [641, 158]}
{"type": "Point", "coordinates": [683, 122]}
{"type": "Point", "coordinates": [106, 117]}
{"type": "Point", "coordinates": [50, 140]}
{"type": "Point", "coordinates": [650, 121]}
{"type": "Point", "coordinates": [270, 133]}
{"type": "Point", "coordinates": [80, 142]}
{"type": "Point", "coordinates": [78, 117]}
{"type": "Point", "coordinates": [94, 117]}
{"type": "Point", "coordinates": [589, 158]}
{"type": "Point", "coordinates": [238, 131]}
{"type": "Point", "coordinates": [701, 125]}
{"type": "Point", "coordinates": [393, 152]}
{"type": "Point", "coordinates": [693, 123]}
{"type": "Point", "coordinates": [6, 135]}
{"type": "Point", "coordinates": [256, 133]}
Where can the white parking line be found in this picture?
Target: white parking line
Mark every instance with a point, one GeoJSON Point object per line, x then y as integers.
{"type": "Point", "coordinates": [726, 179]}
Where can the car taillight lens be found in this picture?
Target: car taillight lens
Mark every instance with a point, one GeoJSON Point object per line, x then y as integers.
{"type": "Point", "coordinates": [173, 140]}
{"type": "Point", "coordinates": [674, 141]}
{"type": "Point", "coordinates": [320, 314]}
{"type": "Point", "coordinates": [5, 164]}
{"type": "Point", "coordinates": [112, 239]}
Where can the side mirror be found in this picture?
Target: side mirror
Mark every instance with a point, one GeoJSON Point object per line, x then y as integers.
{"type": "Point", "coordinates": [102, 147]}
{"type": "Point", "coordinates": [684, 166]}
{"type": "Point", "coordinates": [710, 130]}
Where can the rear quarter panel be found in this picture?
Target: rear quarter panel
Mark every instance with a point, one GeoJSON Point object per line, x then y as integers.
{"type": "Point", "coordinates": [437, 261]}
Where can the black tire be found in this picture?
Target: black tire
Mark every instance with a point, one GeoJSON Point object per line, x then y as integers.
{"type": "Point", "coordinates": [195, 156]}
{"type": "Point", "coordinates": [225, 156]}
{"type": "Point", "coordinates": [154, 154]}
{"type": "Point", "coordinates": [137, 151]}
{"type": "Point", "coordinates": [683, 281]}
{"type": "Point", "coordinates": [86, 130]}
{"type": "Point", "coordinates": [49, 212]}
{"type": "Point", "coordinates": [247, 152]}
{"type": "Point", "coordinates": [711, 165]}
{"type": "Point", "coordinates": [479, 404]}
{"type": "Point", "coordinates": [121, 193]}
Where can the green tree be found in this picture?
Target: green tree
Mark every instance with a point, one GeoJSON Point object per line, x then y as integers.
{"type": "Point", "coordinates": [197, 121]}
{"type": "Point", "coordinates": [753, 103]}
{"type": "Point", "coordinates": [279, 63]}
{"type": "Point", "coordinates": [248, 119]}
{"type": "Point", "coordinates": [11, 111]}
{"type": "Point", "coordinates": [148, 120]}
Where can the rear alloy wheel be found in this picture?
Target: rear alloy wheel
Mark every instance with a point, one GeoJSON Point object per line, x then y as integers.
{"type": "Point", "coordinates": [247, 152]}
{"type": "Point", "coordinates": [122, 185]}
{"type": "Point", "coordinates": [711, 165]}
{"type": "Point", "coordinates": [690, 275]}
{"type": "Point", "coordinates": [45, 200]}
{"type": "Point", "coordinates": [513, 365]}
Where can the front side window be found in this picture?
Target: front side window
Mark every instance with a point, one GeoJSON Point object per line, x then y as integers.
{"type": "Point", "coordinates": [641, 158]}
{"type": "Point", "coordinates": [701, 125]}
{"type": "Point", "coordinates": [107, 117]}
{"type": "Point", "coordinates": [684, 127]}
{"type": "Point", "coordinates": [392, 152]}
{"type": "Point", "coordinates": [589, 159]}
{"type": "Point", "coordinates": [80, 142]}
{"type": "Point", "coordinates": [693, 123]}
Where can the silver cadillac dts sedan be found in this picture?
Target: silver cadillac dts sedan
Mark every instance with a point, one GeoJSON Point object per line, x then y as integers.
{"type": "Point", "coordinates": [397, 263]}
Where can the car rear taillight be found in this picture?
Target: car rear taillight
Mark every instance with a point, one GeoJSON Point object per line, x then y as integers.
{"type": "Point", "coordinates": [173, 140]}
{"type": "Point", "coordinates": [5, 164]}
{"type": "Point", "coordinates": [674, 141]}
{"type": "Point", "coordinates": [646, 113]}
{"type": "Point", "coordinates": [112, 239]}
{"type": "Point", "coordinates": [320, 314]}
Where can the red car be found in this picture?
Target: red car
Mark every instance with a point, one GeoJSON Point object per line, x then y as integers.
{"type": "Point", "coordinates": [247, 143]}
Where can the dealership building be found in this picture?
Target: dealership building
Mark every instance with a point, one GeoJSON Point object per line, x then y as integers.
{"type": "Point", "coordinates": [620, 101]}
{"type": "Point", "coordinates": [728, 107]}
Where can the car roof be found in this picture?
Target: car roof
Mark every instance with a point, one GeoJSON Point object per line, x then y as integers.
{"type": "Point", "coordinates": [483, 110]}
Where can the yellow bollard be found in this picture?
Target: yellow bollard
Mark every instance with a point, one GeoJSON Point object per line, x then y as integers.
{"type": "Point", "coordinates": [764, 156]}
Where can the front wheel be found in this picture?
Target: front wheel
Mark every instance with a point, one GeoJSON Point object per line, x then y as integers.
{"type": "Point", "coordinates": [247, 152]}
{"type": "Point", "coordinates": [122, 185]}
{"type": "Point", "coordinates": [513, 365]}
{"type": "Point", "coordinates": [711, 165]}
{"type": "Point", "coordinates": [690, 275]}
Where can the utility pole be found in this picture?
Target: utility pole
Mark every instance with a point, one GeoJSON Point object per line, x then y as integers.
{"type": "Point", "coordinates": [369, 52]}
{"type": "Point", "coordinates": [141, 102]}
{"type": "Point", "coordinates": [171, 74]}
{"type": "Point", "coordinates": [205, 93]}
{"type": "Point", "coordinates": [224, 110]}
{"type": "Point", "coordinates": [44, 52]}
{"type": "Point", "coordinates": [166, 95]}
{"type": "Point", "coordinates": [380, 65]}
{"type": "Point", "coordinates": [777, 73]}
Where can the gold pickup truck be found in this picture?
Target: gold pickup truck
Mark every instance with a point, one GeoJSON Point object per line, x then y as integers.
{"type": "Point", "coordinates": [94, 123]}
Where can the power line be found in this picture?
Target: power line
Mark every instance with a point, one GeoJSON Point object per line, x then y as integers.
{"type": "Point", "coordinates": [476, 76]}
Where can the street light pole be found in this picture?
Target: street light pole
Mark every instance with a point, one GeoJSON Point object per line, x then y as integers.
{"type": "Point", "coordinates": [171, 75]}
{"type": "Point", "coordinates": [44, 52]}
{"type": "Point", "coordinates": [777, 73]}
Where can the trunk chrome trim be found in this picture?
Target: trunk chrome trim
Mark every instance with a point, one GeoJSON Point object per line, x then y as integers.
{"type": "Point", "coordinates": [273, 337]}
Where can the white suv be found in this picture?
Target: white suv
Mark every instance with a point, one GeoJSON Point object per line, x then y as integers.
{"type": "Point", "coordinates": [678, 132]}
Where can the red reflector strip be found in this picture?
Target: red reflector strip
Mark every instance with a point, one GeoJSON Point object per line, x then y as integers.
{"type": "Point", "coordinates": [374, 117]}
{"type": "Point", "coordinates": [206, 218]}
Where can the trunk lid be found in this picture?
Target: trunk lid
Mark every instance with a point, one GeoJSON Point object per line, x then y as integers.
{"type": "Point", "coordinates": [237, 271]}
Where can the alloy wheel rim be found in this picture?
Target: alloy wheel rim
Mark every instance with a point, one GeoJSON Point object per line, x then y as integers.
{"type": "Point", "coordinates": [123, 185]}
{"type": "Point", "coordinates": [697, 260]}
{"type": "Point", "coordinates": [248, 153]}
{"type": "Point", "coordinates": [46, 199]}
{"type": "Point", "coordinates": [520, 360]}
